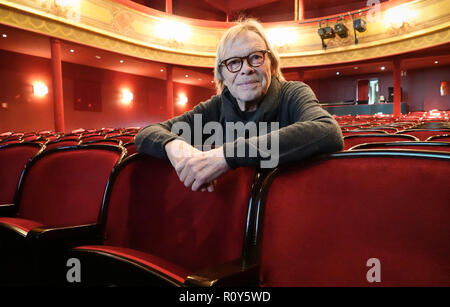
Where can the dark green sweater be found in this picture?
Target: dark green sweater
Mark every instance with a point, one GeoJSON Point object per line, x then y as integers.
{"type": "Point", "coordinates": [304, 127]}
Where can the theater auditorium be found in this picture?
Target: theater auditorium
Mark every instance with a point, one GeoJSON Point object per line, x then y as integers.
{"type": "Point", "coordinates": [81, 206]}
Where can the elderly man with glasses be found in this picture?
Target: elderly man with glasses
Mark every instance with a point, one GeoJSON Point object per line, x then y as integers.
{"type": "Point", "coordinates": [250, 89]}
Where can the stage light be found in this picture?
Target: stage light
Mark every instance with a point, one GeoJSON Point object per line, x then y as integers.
{"type": "Point", "coordinates": [341, 30]}
{"type": "Point", "coordinates": [325, 33]}
{"type": "Point", "coordinates": [359, 25]}
{"type": "Point", "coordinates": [40, 89]}
{"type": "Point", "coordinates": [127, 97]}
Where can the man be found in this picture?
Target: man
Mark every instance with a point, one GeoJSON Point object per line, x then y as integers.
{"type": "Point", "coordinates": [250, 90]}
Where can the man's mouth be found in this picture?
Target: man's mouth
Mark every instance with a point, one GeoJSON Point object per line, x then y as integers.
{"type": "Point", "coordinates": [248, 84]}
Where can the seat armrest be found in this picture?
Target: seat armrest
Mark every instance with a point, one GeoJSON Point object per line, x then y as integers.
{"type": "Point", "coordinates": [228, 274]}
{"type": "Point", "coordinates": [67, 236]}
{"type": "Point", "coordinates": [7, 210]}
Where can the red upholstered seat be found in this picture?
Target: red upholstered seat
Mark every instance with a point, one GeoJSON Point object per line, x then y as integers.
{"type": "Point", "coordinates": [440, 138]}
{"type": "Point", "coordinates": [131, 148]}
{"type": "Point", "coordinates": [423, 134]}
{"type": "Point", "coordinates": [435, 146]}
{"type": "Point", "coordinates": [125, 138]}
{"type": "Point", "coordinates": [325, 219]}
{"type": "Point", "coordinates": [61, 191]}
{"type": "Point", "coordinates": [362, 131]}
{"type": "Point", "coordinates": [13, 158]}
{"type": "Point", "coordinates": [152, 214]}
{"type": "Point", "coordinates": [352, 140]}
{"type": "Point", "coordinates": [61, 143]}
{"type": "Point", "coordinates": [91, 137]}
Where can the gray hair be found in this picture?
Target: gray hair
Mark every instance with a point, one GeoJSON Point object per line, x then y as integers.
{"type": "Point", "coordinates": [230, 35]}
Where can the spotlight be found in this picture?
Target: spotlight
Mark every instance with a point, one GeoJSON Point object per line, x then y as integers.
{"type": "Point", "coordinates": [326, 32]}
{"type": "Point", "coordinates": [359, 25]}
{"type": "Point", "coordinates": [341, 30]}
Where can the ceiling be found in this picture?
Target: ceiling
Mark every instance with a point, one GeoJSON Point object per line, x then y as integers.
{"type": "Point", "coordinates": [33, 44]}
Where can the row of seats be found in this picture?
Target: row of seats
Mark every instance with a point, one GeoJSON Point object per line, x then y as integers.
{"type": "Point", "coordinates": [129, 220]}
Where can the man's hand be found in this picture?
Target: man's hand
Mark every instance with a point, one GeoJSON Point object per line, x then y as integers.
{"type": "Point", "coordinates": [196, 169]}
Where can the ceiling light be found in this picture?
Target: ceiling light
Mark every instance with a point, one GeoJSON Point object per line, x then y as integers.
{"type": "Point", "coordinates": [382, 68]}
{"type": "Point", "coordinates": [71, 50]}
{"type": "Point", "coordinates": [161, 70]}
{"type": "Point", "coordinates": [436, 62]}
{"type": "Point", "coordinates": [4, 35]}
{"type": "Point", "coordinates": [121, 61]}
{"type": "Point", "coordinates": [186, 76]}
{"type": "Point", "coordinates": [338, 73]}
{"type": "Point", "coordinates": [98, 57]}
{"type": "Point", "coordinates": [356, 67]}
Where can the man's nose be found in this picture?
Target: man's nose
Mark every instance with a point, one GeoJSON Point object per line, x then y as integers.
{"type": "Point", "coordinates": [246, 68]}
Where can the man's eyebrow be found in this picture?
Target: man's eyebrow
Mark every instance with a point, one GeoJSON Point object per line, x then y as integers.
{"type": "Point", "coordinates": [247, 54]}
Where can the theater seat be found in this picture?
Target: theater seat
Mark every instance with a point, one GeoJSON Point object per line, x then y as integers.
{"type": "Point", "coordinates": [13, 158]}
{"type": "Point", "coordinates": [165, 230]}
{"type": "Point", "coordinates": [417, 145]}
{"type": "Point", "coordinates": [423, 134]}
{"type": "Point", "coordinates": [327, 221]}
{"type": "Point", "coordinates": [440, 138]}
{"type": "Point", "coordinates": [352, 140]}
{"type": "Point", "coordinates": [60, 205]}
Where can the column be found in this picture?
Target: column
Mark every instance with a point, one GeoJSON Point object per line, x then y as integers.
{"type": "Point", "coordinates": [169, 6]}
{"type": "Point", "coordinates": [397, 87]}
{"type": "Point", "coordinates": [58, 100]}
{"type": "Point", "coordinates": [169, 92]}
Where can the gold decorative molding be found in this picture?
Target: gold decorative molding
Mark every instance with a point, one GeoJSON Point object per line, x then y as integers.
{"type": "Point", "coordinates": [120, 28]}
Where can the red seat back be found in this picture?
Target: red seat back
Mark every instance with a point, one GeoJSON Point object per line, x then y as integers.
{"type": "Point", "coordinates": [61, 143]}
{"type": "Point", "coordinates": [352, 140]}
{"type": "Point", "coordinates": [435, 146]}
{"type": "Point", "coordinates": [150, 210]}
{"type": "Point", "coordinates": [325, 219]}
{"type": "Point", "coordinates": [440, 138]}
{"type": "Point", "coordinates": [13, 158]}
{"type": "Point", "coordinates": [424, 134]}
{"type": "Point", "coordinates": [65, 186]}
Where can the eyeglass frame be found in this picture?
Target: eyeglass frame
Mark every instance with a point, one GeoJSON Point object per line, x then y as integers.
{"type": "Point", "coordinates": [222, 63]}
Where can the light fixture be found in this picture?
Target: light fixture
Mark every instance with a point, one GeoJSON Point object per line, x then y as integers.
{"type": "Point", "coordinates": [161, 70]}
{"type": "Point", "coordinates": [127, 97]}
{"type": "Point", "coordinates": [282, 36]}
{"type": "Point", "coordinates": [40, 89]}
{"type": "Point", "coordinates": [182, 99]}
{"type": "Point", "coordinates": [325, 33]}
{"type": "Point", "coordinates": [98, 57]}
{"type": "Point", "coordinates": [340, 29]}
{"type": "Point", "coordinates": [359, 25]}
{"type": "Point", "coordinates": [121, 61]}
{"type": "Point", "coordinates": [436, 62]}
{"type": "Point", "coordinates": [71, 50]}
{"type": "Point", "coordinates": [187, 76]}
{"type": "Point", "coordinates": [172, 31]}
{"type": "Point", "coordinates": [382, 67]}
{"type": "Point", "coordinates": [4, 35]}
{"type": "Point", "coordinates": [338, 73]}
{"type": "Point", "coordinates": [356, 67]}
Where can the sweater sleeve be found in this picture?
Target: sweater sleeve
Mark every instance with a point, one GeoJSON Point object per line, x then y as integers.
{"type": "Point", "coordinates": [311, 130]}
{"type": "Point", "coordinates": [153, 138]}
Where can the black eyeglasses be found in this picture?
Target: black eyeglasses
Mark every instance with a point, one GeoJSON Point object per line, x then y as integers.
{"type": "Point", "coordinates": [254, 59]}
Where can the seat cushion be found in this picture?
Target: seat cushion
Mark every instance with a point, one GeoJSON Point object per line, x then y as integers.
{"type": "Point", "coordinates": [154, 263]}
{"type": "Point", "coordinates": [21, 226]}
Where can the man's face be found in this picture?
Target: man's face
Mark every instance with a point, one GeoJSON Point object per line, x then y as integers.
{"type": "Point", "coordinates": [249, 84]}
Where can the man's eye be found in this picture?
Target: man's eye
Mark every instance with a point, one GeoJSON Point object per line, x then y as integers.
{"type": "Point", "coordinates": [233, 62]}
{"type": "Point", "coordinates": [255, 57]}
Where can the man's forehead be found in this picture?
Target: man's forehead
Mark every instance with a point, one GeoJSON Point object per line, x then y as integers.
{"type": "Point", "coordinates": [244, 44]}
